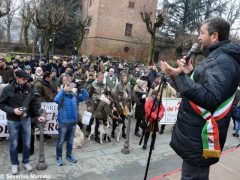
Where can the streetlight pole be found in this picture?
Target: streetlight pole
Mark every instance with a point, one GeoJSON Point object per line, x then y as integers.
{"type": "Point", "coordinates": [53, 38]}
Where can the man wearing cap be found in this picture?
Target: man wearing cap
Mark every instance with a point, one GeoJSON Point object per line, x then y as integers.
{"type": "Point", "coordinates": [20, 102]}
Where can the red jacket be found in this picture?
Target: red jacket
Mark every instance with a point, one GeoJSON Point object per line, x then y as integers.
{"type": "Point", "coordinates": [148, 107]}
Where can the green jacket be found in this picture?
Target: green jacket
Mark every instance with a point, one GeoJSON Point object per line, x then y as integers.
{"type": "Point", "coordinates": [45, 90]}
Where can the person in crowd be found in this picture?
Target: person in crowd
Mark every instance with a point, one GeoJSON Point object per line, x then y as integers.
{"type": "Point", "coordinates": [91, 70]}
{"type": "Point", "coordinates": [168, 92]}
{"type": "Point", "coordinates": [110, 80]}
{"type": "Point", "coordinates": [150, 117]}
{"type": "Point", "coordinates": [6, 73]}
{"type": "Point", "coordinates": [125, 86]}
{"type": "Point", "coordinates": [153, 72]}
{"type": "Point", "coordinates": [90, 101]}
{"type": "Point", "coordinates": [103, 110]}
{"type": "Point", "coordinates": [204, 115]}
{"type": "Point", "coordinates": [55, 81]}
{"type": "Point", "coordinates": [15, 64]}
{"type": "Point", "coordinates": [74, 54]}
{"type": "Point", "coordinates": [235, 118]}
{"type": "Point", "coordinates": [38, 75]}
{"type": "Point", "coordinates": [139, 97]}
{"type": "Point", "coordinates": [28, 70]}
{"type": "Point", "coordinates": [121, 111]}
{"type": "Point", "coordinates": [80, 75]}
{"type": "Point", "coordinates": [46, 92]}
{"type": "Point", "coordinates": [45, 89]}
{"type": "Point", "coordinates": [20, 102]}
{"type": "Point", "coordinates": [67, 102]}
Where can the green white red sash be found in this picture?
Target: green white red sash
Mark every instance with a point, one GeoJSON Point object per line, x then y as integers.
{"type": "Point", "coordinates": [210, 133]}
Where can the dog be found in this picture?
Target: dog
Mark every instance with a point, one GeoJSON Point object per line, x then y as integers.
{"type": "Point", "coordinates": [78, 140]}
{"type": "Point", "coordinates": [103, 130]}
{"type": "Point", "coordinates": [118, 130]}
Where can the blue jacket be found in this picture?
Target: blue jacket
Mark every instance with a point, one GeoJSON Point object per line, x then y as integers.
{"type": "Point", "coordinates": [68, 113]}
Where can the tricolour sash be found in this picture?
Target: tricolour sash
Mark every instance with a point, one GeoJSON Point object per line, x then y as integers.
{"type": "Point", "coordinates": [210, 133]}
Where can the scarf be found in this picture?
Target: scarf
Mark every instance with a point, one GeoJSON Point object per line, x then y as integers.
{"type": "Point", "coordinates": [210, 132]}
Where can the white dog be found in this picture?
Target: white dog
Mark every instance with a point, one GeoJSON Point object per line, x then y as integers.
{"type": "Point", "coordinates": [103, 130]}
{"type": "Point", "coordinates": [78, 140]}
{"type": "Point", "coordinates": [118, 131]}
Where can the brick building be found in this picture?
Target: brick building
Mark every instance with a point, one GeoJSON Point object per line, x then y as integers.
{"type": "Point", "coordinates": [117, 28]}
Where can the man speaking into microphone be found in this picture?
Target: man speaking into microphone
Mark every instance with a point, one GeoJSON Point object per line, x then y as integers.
{"type": "Point", "coordinates": [208, 91]}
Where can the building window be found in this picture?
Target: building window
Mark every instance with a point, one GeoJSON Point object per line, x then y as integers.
{"type": "Point", "coordinates": [131, 5]}
{"type": "Point", "coordinates": [128, 29]}
{"type": "Point", "coordinates": [126, 49]}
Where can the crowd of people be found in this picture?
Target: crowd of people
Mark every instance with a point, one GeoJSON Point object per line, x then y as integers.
{"type": "Point", "coordinates": [116, 90]}
{"type": "Point", "coordinates": [111, 91]}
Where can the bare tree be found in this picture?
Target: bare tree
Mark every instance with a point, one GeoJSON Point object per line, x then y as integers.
{"type": "Point", "coordinates": [4, 8]}
{"type": "Point", "coordinates": [50, 16]}
{"type": "Point", "coordinates": [151, 28]}
{"type": "Point", "coordinates": [84, 24]}
{"type": "Point", "coordinates": [26, 14]}
{"type": "Point", "coordinates": [233, 12]}
{"type": "Point", "coordinates": [9, 17]}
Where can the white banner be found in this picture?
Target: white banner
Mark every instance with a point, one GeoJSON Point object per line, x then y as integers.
{"type": "Point", "coordinates": [51, 109]}
{"type": "Point", "coordinates": [171, 106]}
{"type": "Point", "coordinates": [170, 116]}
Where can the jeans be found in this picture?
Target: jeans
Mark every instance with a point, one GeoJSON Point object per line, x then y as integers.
{"type": "Point", "coordinates": [190, 172]}
{"type": "Point", "coordinates": [238, 127]}
{"type": "Point", "coordinates": [13, 128]}
{"type": "Point", "coordinates": [65, 130]}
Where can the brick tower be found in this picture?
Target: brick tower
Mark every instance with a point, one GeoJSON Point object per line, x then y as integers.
{"type": "Point", "coordinates": [117, 28]}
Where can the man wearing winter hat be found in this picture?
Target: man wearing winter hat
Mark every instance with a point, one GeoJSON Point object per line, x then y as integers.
{"type": "Point", "coordinates": [20, 102]}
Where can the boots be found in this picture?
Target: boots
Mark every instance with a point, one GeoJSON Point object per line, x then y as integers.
{"type": "Point", "coordinates": [144, 147]}
{"type": "Point", "coordinates": [123, 133]}
{"type": "Point", "coordinates": [113, 134]}
{"type": "Point", "coordinates": [145, 140]}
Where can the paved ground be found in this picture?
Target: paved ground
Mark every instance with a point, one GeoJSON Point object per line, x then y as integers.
{"type": "Point", "coordinates": [106, 162]}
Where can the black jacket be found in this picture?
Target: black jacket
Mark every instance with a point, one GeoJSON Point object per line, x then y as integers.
{"type": "Point", "coordinates": [216, 80]}
{"type": "Point", "coordinates": [12, 97]}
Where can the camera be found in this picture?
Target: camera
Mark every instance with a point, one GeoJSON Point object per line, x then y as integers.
{"type": "Point", "coordinates": [80, 85]}
{"type": "Point", "coordinates": [24, 110]}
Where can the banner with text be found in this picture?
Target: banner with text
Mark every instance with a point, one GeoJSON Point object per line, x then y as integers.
{"type": "Point", "coordinates": [51, 109]}
{"type": "Point", "coordinates": [171, 109]}
{"type": "Point", "coordinates": [171, 106]}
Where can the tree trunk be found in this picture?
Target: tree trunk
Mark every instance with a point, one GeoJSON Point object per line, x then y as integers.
{"type": "Point", "coordinates": [80, 40]}
{"type": "Point", "coordinates": [21, 35]}
{"type": "Point", "coordinates": [47, 45]}
{"type": "Point", "coordinates": [152, 49]}
{"type": "Point", "coordinates": [26, 41]}
{"type": "Point", "coordinates": [34, 46]}
{"type": "Point", "coordinates": [8, 33]}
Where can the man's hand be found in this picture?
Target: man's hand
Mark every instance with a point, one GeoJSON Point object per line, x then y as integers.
{"type": "Point", "coordinates": [173, 72]}
{"type": "Point", "coordinates": [186, 67]}
{"type": "Point", "coordinates": [67, 88]}
{"type": "Point", "coordinates": [18, 112]}
{"type": "Point", "coordinates": [42, 119]}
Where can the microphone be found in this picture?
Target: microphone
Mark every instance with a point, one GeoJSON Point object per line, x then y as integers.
{"type": "Point", "coordinates": [192, 51]}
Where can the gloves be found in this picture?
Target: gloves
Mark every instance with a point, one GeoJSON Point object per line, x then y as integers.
{"type": "Point", "coordinates": [144, 96]}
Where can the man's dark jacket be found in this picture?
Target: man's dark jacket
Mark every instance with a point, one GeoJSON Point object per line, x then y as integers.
{"type": "Point", "coordinates": [216, 79]}
{"type": "Point", "coordinates": [12, 97]}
